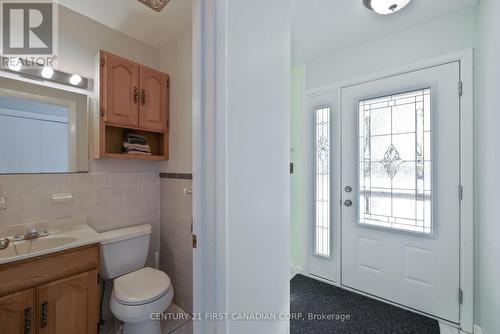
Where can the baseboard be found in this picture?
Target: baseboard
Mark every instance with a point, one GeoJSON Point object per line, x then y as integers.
{"type": "Point", "coordinates": [295, 270]}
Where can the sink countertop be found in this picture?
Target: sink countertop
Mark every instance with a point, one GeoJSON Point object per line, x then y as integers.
{"type": "Point", "coordinates": [83, 235]}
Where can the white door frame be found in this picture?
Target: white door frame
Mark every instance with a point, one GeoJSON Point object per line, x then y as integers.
{"type": "Point", "coordinates": [209, 225]}
{"type": "Point", "coordinates": [466, 59]}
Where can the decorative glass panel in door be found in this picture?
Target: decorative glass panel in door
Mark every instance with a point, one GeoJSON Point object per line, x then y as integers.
{"type": "Point", "coordinates": [322, 230]}
{"type": "Point", "coordinates": [395, 162]}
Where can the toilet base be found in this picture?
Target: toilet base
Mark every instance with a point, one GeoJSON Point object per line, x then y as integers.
{"type": "Point", "coordinates": [150, 327]}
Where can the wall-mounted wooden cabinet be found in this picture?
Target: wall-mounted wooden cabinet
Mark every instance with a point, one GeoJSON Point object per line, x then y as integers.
{"type": "Point", "coordinates": [131, 98]}
{"type": "Point", "coordinates": [51, 294]}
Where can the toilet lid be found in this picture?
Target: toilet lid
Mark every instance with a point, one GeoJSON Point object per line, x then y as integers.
{"type": "Point", "coordinates": [141, 286]}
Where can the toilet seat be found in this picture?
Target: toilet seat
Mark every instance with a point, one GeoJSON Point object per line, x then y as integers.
{"type": "Point", "coordinates": [141, 287]}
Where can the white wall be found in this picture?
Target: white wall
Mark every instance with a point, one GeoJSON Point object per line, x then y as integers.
{"type": "Point", "coordinates": [80, 38]}
{"type": "Point", "coordinates": [252, 129]}
{"type": "Point", "coordinates": [242, 182]}
{"type": "Point", "coordinates": [487, 162]}
{"type": "Point", "coordinates": [176, 59]}
{"type": "Point", "coordinates": [445, 35]}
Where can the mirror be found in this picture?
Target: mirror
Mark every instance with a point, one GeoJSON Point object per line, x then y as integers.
{"type": "Point", "coordinates": [42, 129]}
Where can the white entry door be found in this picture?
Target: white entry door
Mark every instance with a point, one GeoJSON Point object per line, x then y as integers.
{"type": "Point", "coordinates": [400, 189]}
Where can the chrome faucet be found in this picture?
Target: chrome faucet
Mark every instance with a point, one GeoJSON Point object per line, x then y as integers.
{"type": "Point", "coordinates": [33, 233]}
{"type": "Point", "coordinates": [4, 243]}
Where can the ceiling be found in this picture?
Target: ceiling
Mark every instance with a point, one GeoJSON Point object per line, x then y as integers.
{"type": "Point", "coordinates": [321, 27]}
{"type": "Point", "coordinates": [135, 19]}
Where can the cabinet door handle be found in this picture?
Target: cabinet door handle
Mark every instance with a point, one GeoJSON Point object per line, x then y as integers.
{"type": "Point", "coordinates": [136, 95]}
{"type": "Point", "coordinates": [143, 97]}
{"type": "Point", "coordinates": [27, 320]}
{"type": "Point", "coordinates": [43, 315]}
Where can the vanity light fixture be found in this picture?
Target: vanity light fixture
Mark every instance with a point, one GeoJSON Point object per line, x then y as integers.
{"type": "Point", "coordinates": [43, 73]}
{"type": "Point", "coordinates": [47, 72]}
{"type": "Point", "coordinates": [156, 5]}
{"type": "Point", "coordinates": [75, 79]}
{"type": "Point", "coordinates": [385, 7]}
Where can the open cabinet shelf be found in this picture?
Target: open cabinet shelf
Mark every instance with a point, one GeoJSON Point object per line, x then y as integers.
{"type": "Point", "coordinates": [113, 139]}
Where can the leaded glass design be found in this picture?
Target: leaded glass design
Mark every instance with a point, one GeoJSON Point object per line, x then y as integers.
{"type": "Point", "coordinates": [322, 182]}
{"type": "Point", "coordinates": [395, 167]}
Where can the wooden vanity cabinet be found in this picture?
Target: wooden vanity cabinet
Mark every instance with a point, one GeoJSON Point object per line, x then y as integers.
{"type": "Point", "coordinates": [17, 312]}
{"type": "Point", "coordinates": [69, 305]}
{"type": "Point", "coordinates": [51, 294]}
{"type": "Point", "coordinates": [130, 98]}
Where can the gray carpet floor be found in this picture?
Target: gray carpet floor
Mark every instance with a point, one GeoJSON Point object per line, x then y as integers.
{"type": "Point", "coordinates": [350, 313]}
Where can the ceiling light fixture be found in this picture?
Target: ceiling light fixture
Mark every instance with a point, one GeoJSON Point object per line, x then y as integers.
{"type": "Point", "coordinates": [385, 7]}
{"type": "Point", "coordinates": [156, 5]}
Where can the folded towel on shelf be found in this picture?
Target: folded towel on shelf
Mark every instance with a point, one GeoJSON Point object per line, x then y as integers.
{"type": "Point", "coordinates": [137, 147]}
{"type": "Point", "coordinates": [135, 144]}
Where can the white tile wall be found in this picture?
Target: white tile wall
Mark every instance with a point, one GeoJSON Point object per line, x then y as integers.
{"type": "Point", "coordinates": [176, 252]}
{"type": "Point", "coordinates": [110, 200]}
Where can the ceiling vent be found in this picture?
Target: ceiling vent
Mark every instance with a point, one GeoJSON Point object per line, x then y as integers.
{"type": "Point", "coordinates": [156, 5]}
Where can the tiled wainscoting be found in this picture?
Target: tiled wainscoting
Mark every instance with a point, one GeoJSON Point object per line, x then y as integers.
{"type": "Point", "coordinates": [109, 200]}
{"type": "Point", "coordinates": [176, 252]}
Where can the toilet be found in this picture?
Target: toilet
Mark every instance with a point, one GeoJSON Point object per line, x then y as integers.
{"type": "Point", "coordinates": [138, 291]}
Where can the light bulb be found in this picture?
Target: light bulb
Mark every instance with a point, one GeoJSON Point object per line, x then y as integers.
{"type": "Point", "coordinates": [75, 79]}
{"type": "Point", "coordinates": [47, 72]}
{"type": "Point", "coordinates": [16, 67]}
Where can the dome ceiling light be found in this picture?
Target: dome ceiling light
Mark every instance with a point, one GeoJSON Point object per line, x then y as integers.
{"type": "Point", "coordinates": [385, 7]}
{"type": "Point", "coordinates": [156, 5]}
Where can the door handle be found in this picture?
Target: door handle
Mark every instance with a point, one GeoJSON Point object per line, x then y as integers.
{"type": "Point", "coordinates": [348, 202]}
{"type": "Point", "coordinates": [136, 94]}
{"type": "Point", "coordinates": [27, 320]}
{"type": "Point", "coordinates": [143, 97]}
{"type": "Point", "coordinates": [43, 315]}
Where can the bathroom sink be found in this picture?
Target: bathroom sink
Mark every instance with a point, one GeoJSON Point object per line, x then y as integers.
{"type": "Point", "coordinates": [25, 247]}
{"type": "Point", "coordinates": [50, 242]}
{"type": "Point", "coordinates": [57, 240]}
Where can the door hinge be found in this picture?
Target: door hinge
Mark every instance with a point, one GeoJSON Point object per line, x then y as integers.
{"type": "Point", "coordinates": [102, 112]}
{"type": "Point", "coordinates": [98, 279]}
{"type": "Point", "coordinates": [460, 296]}
{"type": "Point", "coordinates": [103, 62]}
{"type": "Point", "coordinates": [460, 88]}
{"type": "Point", "coordinates": [460, 192]}
{"type": "Point", "coordinates": [292, 168]}
{"type": "Point", "coordinates": [195, 241]}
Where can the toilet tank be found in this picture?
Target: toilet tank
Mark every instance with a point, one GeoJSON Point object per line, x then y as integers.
{"type": "Point", "coordinates": [124, 250]}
